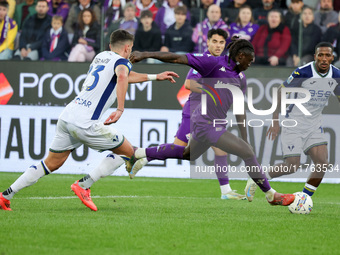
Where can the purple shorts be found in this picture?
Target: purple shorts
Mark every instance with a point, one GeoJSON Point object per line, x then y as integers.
{"type": "Point", "coordinates": [207, 134]}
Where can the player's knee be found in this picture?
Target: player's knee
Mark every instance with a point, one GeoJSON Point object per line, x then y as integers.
{"type": "Point", "coordinates": [293, 164]}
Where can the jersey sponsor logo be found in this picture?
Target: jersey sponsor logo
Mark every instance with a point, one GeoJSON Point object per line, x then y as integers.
{"type": "Point", "coordinates": [194, 72]}
{"type": "Point", "coordinates": [291, 147]}
{"type": "Point", "coordinates": [290, 78]}
{"type": "Point", "coordinates": [198, 55]}
{"type": "Point", "coordinates": [129, 65]}
{"type": "Point", "coordinates": [82, 102]}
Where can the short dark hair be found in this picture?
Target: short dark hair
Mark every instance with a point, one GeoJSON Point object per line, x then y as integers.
{"type": "Point", "coordinates": [146, 13]}
{"type": "Point", "coordinates": [4, 4]}
{"type": "Point", "coordinates": [181, 10]}
{"type": "Point", "coordinates": [324, 44]}
{"type": "Point", "coordinates": [120, 36]}
{"type": "Point", "coordinates": [45, 1]}
{"type": "Point", "coordinates": [217, 31]}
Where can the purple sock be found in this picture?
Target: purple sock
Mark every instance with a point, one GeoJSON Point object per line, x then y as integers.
{"type": "Point", "coordinates": [255, 172]}
{"type": "Point", "coordinates": [164, 151]}
{"type": "Point", "coordinates": [221, 169]}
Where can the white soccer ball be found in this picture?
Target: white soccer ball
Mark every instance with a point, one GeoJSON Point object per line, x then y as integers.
{"type": "Point", "coordinates": [303, 204]}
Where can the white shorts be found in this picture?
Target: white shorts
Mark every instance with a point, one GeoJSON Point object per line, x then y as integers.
{"type": "Point", "coordinates": [98, 137]}
{"type": "Point", "coordinates": [293, 143]}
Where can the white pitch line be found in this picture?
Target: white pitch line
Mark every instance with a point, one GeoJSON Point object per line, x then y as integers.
{"type": "Point", "coordinates": [168, 197]}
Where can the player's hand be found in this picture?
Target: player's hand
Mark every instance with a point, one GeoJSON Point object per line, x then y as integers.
{"type": "Point", "coordinates": [113, 118]}
{"type": "Point", "coordinates": [273, 131]}
{"type": "Point", "coordinates": [136, 56]}
{"type": "Point", "coordinates": [167, 75]}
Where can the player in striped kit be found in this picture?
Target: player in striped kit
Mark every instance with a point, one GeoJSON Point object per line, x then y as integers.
{"type": "Point", "coordinates": [79, 123]}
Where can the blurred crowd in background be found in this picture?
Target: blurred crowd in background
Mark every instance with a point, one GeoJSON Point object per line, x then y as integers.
{"type": "Point", "coordinates": [283, 32]}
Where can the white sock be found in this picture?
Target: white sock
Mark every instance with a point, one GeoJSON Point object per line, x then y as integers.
{"type": "Point", "coordinates": [270, 194]}
{"type": "Point", "coordinates": [105, 168]}
{"type": "Point", "coordinates": [140, 153]}
{"type": "Point", "coordinates": [28, 178]}
{"type": "Point", "coordinates": [225, 189]}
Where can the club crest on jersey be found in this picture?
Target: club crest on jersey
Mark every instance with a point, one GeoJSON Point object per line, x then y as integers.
{"type": "Point", "coordinates": [222, 69]}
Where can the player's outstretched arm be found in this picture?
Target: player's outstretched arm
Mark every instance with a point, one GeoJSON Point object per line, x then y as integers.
{"type": "Point", "coordinates": [168, 57]}
{"type": "Point", "coordinates": [141, 77]}
{"type": "Point", "coordinates": [122, 73]}
{"type": "Point", "coordinates": [274, 129]}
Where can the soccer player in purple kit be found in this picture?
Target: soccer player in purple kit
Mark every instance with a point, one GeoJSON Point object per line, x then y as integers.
{"type": "Point", "coordinates": [217, 73]}
{"type": "Point", "coordinates": [216, 44]}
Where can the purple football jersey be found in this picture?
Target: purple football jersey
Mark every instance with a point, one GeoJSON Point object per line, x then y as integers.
{"type": "Point", "coordinates": [215, 70]}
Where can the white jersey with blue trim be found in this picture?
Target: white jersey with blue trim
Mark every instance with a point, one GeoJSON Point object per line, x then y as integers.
{"type": "Point", "coordinates": [98, 92]}
{"type": "Point", "coordinates": [320, 86]}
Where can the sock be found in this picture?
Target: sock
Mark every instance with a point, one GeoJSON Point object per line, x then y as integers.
{"type": "Point", "coordinates": [105, 168]}
{"type": "Point", "coordinates": [221, 169]}
{"type": "Point", "coordinates": [270, 194]}
{"type": "Point", "coordinates": [164, 151]}
{"type": "Point", "coordinates": [309, 189]}
{"type": "Point", "coordinates": [225, 189]}
{"type": "Point", "coordinates": [140, 153]}
{"type": "Point", "coordinates": [28, 178]}
{"type": "Point", "coordinates": [255, 172]}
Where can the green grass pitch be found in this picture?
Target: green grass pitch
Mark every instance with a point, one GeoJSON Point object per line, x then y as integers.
{"type": "Point", "coordinates": [163, 216]}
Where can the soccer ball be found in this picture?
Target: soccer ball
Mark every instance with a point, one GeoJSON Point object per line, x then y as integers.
{"type": "Point", "coordinates": [303, 204]}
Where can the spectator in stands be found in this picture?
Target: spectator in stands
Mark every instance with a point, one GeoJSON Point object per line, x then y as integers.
{"type": "Point", "coordinates": [292, 17]}
{"type": "Point", "coordinates": [244, 26]}
{"type": "Point", "coordinates": [213, 21]}
{"type": "Point", "coordinates": [142, 5]}
{"type": "Point", "coordinates": [178, 35]}
{"type": "Point", "coordinates": [166, 16]}
{"type": "Point", "coordinates": [23, 11]}
{"type": "Point", "coordinates": [33, 32]}
{"type": "Point", "coordinates": [113, 12]}
{"type": "Point", "coordinates": [332, 35]}
{"type": "Point", "coordinates": [272, 41]}
{"type": "Point", "coordinates": [11, 8]}
{"type": "Point", "coordinates": [58, 7]}
{"type": "Point", "coordinates": [198, 14]}
{"type": "Point", "coordinates": [129, 23]}
{"type": "Point", "coordinates": [148, 36]}
{"type": "Point", "coordinates": [232, 10]}
{"type": "Point", "coordinates": [326, 16]}
{"type": "Point", "coordinates": [75, 9]}
{"type": "Point", "coordinates": [311, 36]}
{"type": "Point", "coordinates": [86, 41]}
{"type": "Point", "coordinates": [55, 45]}
{"type": "Point", "coordinates": [8, 32]}
{"type": "Point", "coordinates": [314, 4]}
{"type": "Point", "coordinates": [261, 13]}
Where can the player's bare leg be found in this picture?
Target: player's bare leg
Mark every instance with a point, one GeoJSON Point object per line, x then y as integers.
{"type": "Point", "coordinates": [289, 166]}
{"type": "Point", "coordinates": [319, 156]}
{"type": "Point", "coordinates": [32, 175]}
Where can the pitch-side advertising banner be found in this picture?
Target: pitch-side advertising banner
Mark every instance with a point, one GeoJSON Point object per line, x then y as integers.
{"type": "Point", "coordinates": [32, 97]}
